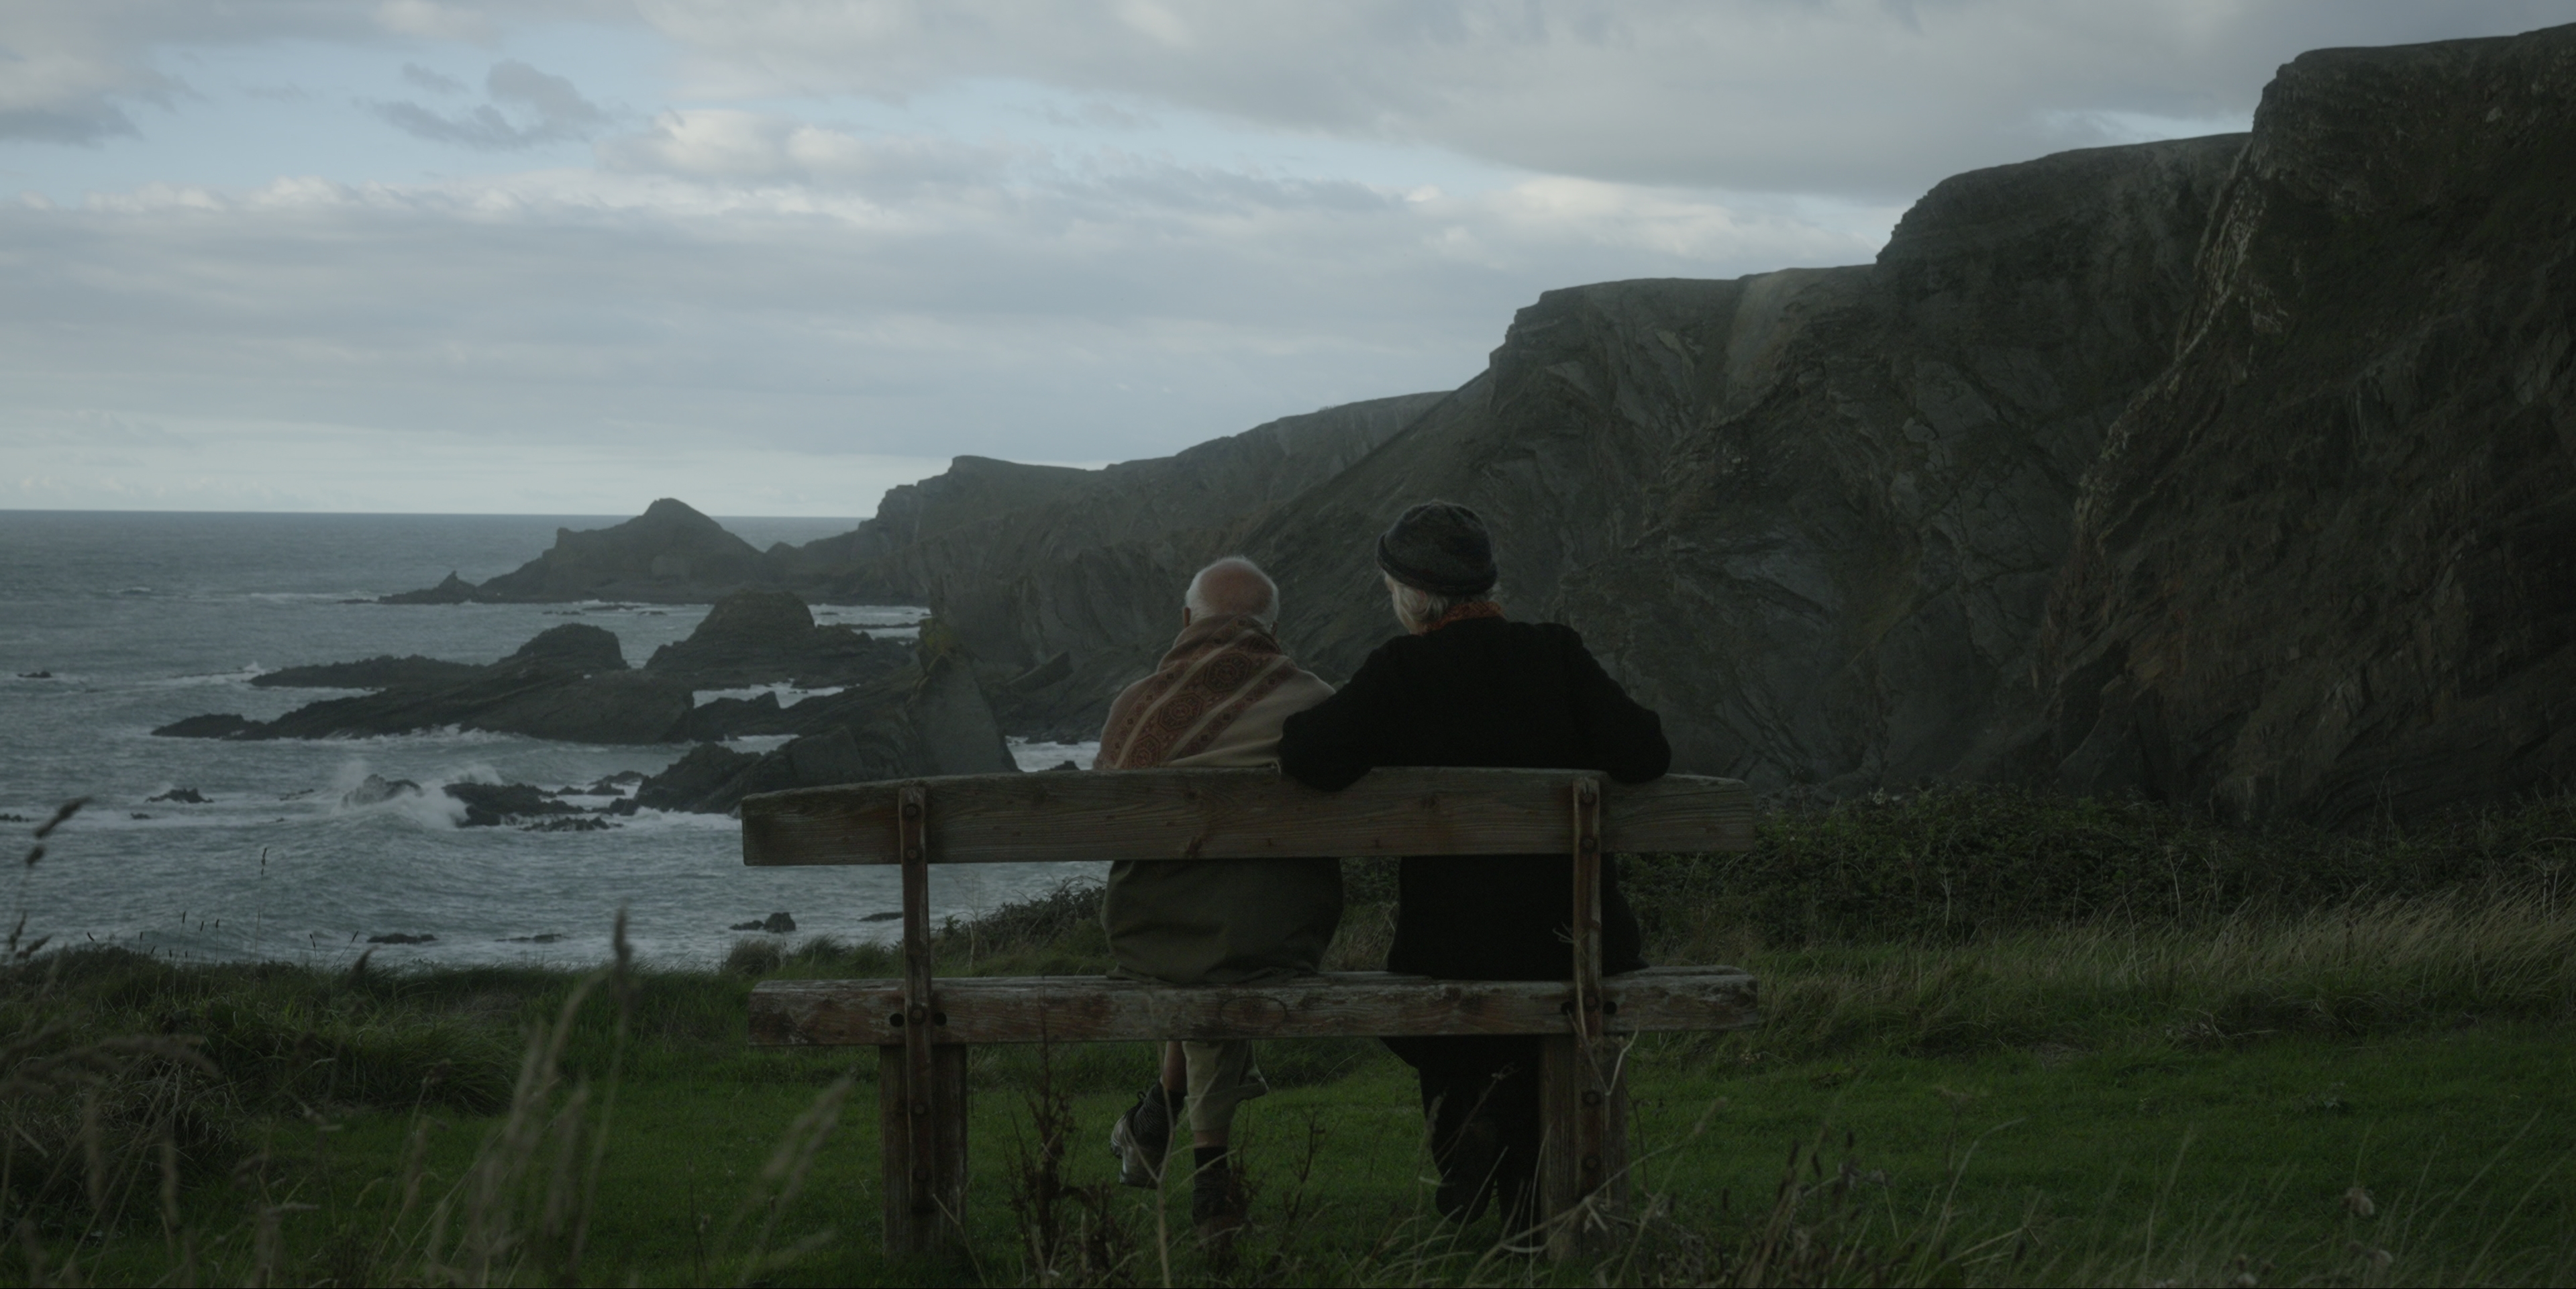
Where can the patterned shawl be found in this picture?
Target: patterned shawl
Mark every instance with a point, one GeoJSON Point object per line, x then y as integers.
{"type": "Point", "coordinates": [1218, 669]}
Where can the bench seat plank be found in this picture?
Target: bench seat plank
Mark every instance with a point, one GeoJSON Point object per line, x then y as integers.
{"type": "Point", "coordinates": [1094, 1009]}
{"type": "Point", "coordinates": [1238, 814]}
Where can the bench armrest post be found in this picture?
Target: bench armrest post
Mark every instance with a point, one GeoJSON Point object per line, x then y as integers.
{"type": "Point", "coordinates": [934, 1116]}
{"type": "Point", "coordinates": [1582, 1095]}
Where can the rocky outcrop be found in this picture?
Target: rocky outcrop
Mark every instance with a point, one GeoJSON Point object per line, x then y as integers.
{"type": "Point", "coordinates": [568, 682]}
{"type": "Point", "coordinates": [451, 590]}
{"type": "Point", "coordinates": [383, 671]}
{"type": "Point", "coordinates": [670, 554]}
{"type": "Point", "coordinates": [931, 718]}
{"type": "Point", "coordinates": [2327, 565]}
{"type": "Point", "coordinates": [768, 637]}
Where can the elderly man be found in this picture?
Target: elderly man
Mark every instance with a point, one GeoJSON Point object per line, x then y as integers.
{"type": "Point", "coordinates": [1467, 686]}
{"type": "Point", "coordinates": [1218, 699]}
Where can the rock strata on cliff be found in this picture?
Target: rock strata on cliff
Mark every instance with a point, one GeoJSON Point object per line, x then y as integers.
{"type": "Point", "coordinates": [2327, 565]}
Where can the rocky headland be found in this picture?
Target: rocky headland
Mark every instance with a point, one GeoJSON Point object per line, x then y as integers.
{"type": "Point", "coordinates": [2235, 471]}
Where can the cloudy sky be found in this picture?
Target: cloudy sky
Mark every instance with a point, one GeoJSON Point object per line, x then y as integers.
{"type": "Point", "coordinates": [774, 256]}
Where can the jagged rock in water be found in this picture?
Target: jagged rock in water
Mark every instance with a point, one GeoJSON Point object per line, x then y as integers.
{"type": "Point", "coordinates": [381, 672]}
{"type": "Point", "coordinates": [489, 805]}
{"type": "Point", "coordinates": [230, 725]}
{"type": "Point", "coordinates": [907, 725]}
{"type": "Point", "coordinates": [452, 590]}
{"type": "Point", "coordinates": [670, 554]}
{"type": "Point", "coordinates": [568, 683]}
{"type": "Point", "coordinates": [377, 789]}
{"type": "Point", "coordinates": [706, 769]}
{"type": "Point", "coordinates": [2326, 566]}
{"type": "Point", "coordinates": [184, 796]}
{"type": "Point", "coordinates": [766, 637]}
{"type": "Point", "coordinates": [774, 924]}
{"type": "Point", "coordinates": [576, 645]}
{"type": "Point", "coordinates": [401, 937]}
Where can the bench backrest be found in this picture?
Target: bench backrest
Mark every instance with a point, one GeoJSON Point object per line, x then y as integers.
{"type": "Point", "coordinates": [1237, 814]}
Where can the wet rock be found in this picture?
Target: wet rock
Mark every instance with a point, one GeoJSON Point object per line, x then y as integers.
{"type": "Point", "coordinates": [35, 675]}
{"type": "Point", "coordinates": [489, 805]}
{"type": "Point", "coordinates": [774, 924]}
{"type": "Point", "coordinates": [452, 590]}
{"type": "Point", "coordinates": [377, 789]}
{"type": "Point", "coordinates": [187, 796]}
{"type": "Point", "coordinates": [570, 823]}
{"type": "Point", "coordinates": [219, 725]}
{"type": "Point", "coordinates": [569, 683]}
{"type": "Point", "coordinates": [669, 554]}
{"type": "Point", "coordinates": [695, 777]}
{"type": "Point", "coordinates": [401, 937]}
{"type": "Point", "coordinates": [770, 637]}
{"type": "Point", "coordinates": [545, 937]}
{"type": "Point", "coordinates": [381, 672]}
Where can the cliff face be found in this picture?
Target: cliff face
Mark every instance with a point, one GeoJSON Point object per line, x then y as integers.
{"type": "Point", "coordinates": [1089, 565]}
{"type": "Point", "coordinates": [1810, 516]}
{"type": "Point", "coordinates": [2327, 564]}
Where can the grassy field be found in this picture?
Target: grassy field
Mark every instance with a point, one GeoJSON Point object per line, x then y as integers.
{"type": "Point", "coordinates": [2011, 1040]}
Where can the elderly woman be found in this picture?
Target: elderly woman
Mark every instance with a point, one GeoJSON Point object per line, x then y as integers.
{"type": "Point", "coordinates": [1466, 686]}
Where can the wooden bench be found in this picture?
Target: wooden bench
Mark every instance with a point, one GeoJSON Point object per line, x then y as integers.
{"type": "Point", "coordinates": [922, 1028]}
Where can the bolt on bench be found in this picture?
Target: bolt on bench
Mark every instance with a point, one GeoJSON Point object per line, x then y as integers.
{"type": "Point", "coordinates": [921, 1028]}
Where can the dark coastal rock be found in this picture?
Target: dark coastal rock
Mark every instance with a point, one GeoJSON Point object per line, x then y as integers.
{"type": "Point", "coordinates": [774, 924]}
{"type": "Point", "coordinates": [381, 672]}
{"type": "Point", "coordinates": [575, 645]}
{"type": "Point", "coordinates": [214, 725]}
{"type": "Point", "coordinates": [568, 683]}
{"type": "Point", "coordinates": [489, 805]}
{"type": "Point", "coordinates": [769, 637]}
{"type": "Point", "coordinates": [569, 823]}
{"type": "Point", "coordinates": [910, 724]}
{"type": "Point", "coordinates": [670, 554]}
{"type": "Point", "coordinates": [377, 789]}
{"type": "Point", "coordinates": [705, 770]}
{"type": "Point", "coordinates": [2326, 566]}
{"type": "Point", "coordinates": [401, 937]}
{"type": "Point", "coordinates": [728, 718]}
{"type": "Point", "coordinates": [186, 796]}
{"type": "Point", "coordinates": [453, 590]}
{"type": "Point", "coordinates": [35, 675]}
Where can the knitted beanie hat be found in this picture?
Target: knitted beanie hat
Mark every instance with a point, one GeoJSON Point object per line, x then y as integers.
{"type": "Point", "coordinates": [1441, 548]}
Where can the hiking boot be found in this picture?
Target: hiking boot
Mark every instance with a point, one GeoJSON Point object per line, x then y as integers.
{"type": "Point", "coordinates": [1216, 1200]}
{"type": "Point", "coordinates": [1141, 1138]}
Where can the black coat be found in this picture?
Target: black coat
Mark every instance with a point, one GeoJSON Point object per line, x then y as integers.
{"type": "Point", "coordinates": [1485, 692]}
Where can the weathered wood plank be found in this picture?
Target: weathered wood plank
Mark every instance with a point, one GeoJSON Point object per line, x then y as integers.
{"type": "Point", "coordinates": [1237, 814]}
{"type": "Point", "coordinates": [923, 1133]}
{"type": "Point", "coordinates": [1094, 1009]}
{"type": "Point", "coordinates": [1583, 1151]}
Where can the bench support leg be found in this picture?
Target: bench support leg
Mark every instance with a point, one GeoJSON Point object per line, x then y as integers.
{"type": "Point", "coordinates": [1583, 1110]}
{"type": "Point", "coordinates": [923, 1203]}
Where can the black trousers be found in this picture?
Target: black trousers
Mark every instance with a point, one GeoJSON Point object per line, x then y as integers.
{"type": "Point", "coordinates": [1480, 1095]}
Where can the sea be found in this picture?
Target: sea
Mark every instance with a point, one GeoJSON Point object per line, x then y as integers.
{"type": "Point", "coordinates": [114, 623]}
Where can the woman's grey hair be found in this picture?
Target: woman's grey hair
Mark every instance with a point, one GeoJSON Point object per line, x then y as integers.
{"type": "Point", "coordinates": [1416, 609]}
{"type": "Point", "coordinates": [1234, 585]}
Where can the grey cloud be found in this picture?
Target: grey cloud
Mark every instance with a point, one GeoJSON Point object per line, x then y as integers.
{"type": "Point", "coordinates": [553, 112]}
{"type": "Point", "coordinates": [1851, 97]}
{"type": "Point", "coordinates": [87, 124]}
{"type": "Point", "coordinates": [423, 78]}
{"type": "Point", "coordinates": [1094, 315]}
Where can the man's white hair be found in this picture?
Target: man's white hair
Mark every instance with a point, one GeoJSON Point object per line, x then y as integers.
{"type": "Point", "coordinates": [1416, 609]}
{"type": "Point", "coordinates": [1234, 585]}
